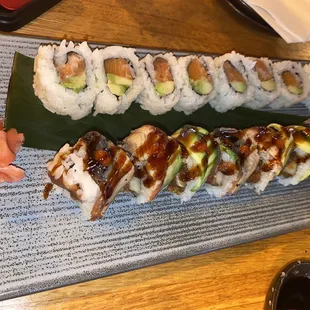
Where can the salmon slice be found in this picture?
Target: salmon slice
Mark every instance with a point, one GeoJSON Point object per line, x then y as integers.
{"type": "Point", "coordinates": [6, 154]}
{"type": "Point", "coordinates": [290, 80]}
{"type": "Point", "coordinates": [262, 71]}
{"type": "Point", "coordinates": [14, 140]}
{"type": "Point", "coordinates": [162, 70]}
{"type": "Point", "coordinates": [11, 174]}
{"type": "Point", "coordinates": [233, 75]}
{"type": "Point", "coordinates": [75, 66]}
{"type": "Point", "coordinates": [196, 71]}
{"type": "Point", "coordinates": [119, 67]}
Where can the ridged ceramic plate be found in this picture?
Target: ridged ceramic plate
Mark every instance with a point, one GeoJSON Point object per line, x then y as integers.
{"type": "Point", "coordinates": [46, 244]}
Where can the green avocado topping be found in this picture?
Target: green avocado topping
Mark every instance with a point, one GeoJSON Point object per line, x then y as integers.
{"type": "Point", "coordinates": [229, 152]}
{"type": "Point", "coordinates": [164, 88]}
{"type": "Point", "coordinates": [201, 87]}
{"type": "Point", "coordinates": [119, 80]}
{"type": "Point", "coordinates": [269, 85]}
{"type": "Point", "coordinates": [239, 87]}
{"type": "Point", "coordinates": [295, 90]}
{"type": "Point", "coordinates": [76, 83]}
{"type": "Point", "coordinates": [117, 84]}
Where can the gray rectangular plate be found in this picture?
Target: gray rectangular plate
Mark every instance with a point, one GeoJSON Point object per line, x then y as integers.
{"type": "Point", "coordinates": [46, 244]}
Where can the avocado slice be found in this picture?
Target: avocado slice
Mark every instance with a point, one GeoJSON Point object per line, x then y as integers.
{"type": "Point", "coordinates": [295, 90]}
{"type": "Point", "coordinates": [239, 87]}
{"type": "Point", "coordinates": [117, 90]}
{"type": "Point", "coordinates": [201, 87]}
{"type": "Point", "coordinates": [304, 146]}
{"type": "Point", "coordinates": [301, 137]}
{"type": "Point", "coordinates": [230, 153]}
{"type": "Point", "coordinates": [188, 136]}
{"type": "Point", "coordinates": [76, 83]}
{"type": "Point", "coordinates": [269, 85]}
{"type": "Point", "coordinates": [119, 80]}
{"type": "Point", "coordinates": [173, 168]}
{"type": "Point", "coordinates": [288, 141]}
{"type": "Point", "coordinates": [164, 88]}
{"type": "Point", "coordinates": [212, 160]}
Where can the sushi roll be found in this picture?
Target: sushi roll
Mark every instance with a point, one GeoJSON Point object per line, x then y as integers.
{"type": "Point", "coordinates": [226, 173]}
{"type": "Point", "coordinates": [292, 82]}
{"type": "Point", "coordinates": [261, 76]}
{"type": "Point", "coordinates": [93, 171]}
{"type": "Point", "coordinates": [297, 168]}
{"type": "Point", "coordinates": [157, 159]}
{"type": "Point", "coordinates": [199, 154]}
{"type": "Point", "coordinates": [246, 150]}
{"type": "Point", "coordinates": [234, 88]}
{"type": "Point", "coordinates": [119, 79]}
{"type": "Point", "coordinates": [198, 83]}
{"type": "Point", "coordinates": [64, 79]}
{"type": "Point", "coordinates": [274, 144]}
{"type": "Point", "coordinates": [161, 87]}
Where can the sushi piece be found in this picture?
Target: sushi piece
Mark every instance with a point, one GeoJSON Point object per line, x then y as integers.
{"type": "Point", "coordinates": [234, 88]}
{"type": "Point", "coordinates": [199, 154]}
{"type": "Point", "coordinates": [226, 174]}
{"type": "Point", "coordinates": [64, 79]}
{"type": "Point", "coordinates": [93, 171]}
{"type": "Point", "coordinates": [198, 83]}
{"type": "Point", "coordinates": [161, 87]}
{"type": "Point", "coordinates": [157, 159]}
{"type": "Point", "coordinates": [246, 150]}
{"type": "Point", "coordinates": [119, 79]}
{"type": "Point", "coordinates": [293, 84]}
{"type": "Point", "coordinates": [274, 144]}
{"type": "Point", "coordinates": [261, 76]}
{"type": "Point", "coordinates": [297, 168]}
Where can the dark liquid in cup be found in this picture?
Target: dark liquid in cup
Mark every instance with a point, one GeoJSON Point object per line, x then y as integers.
{"type": "Point", "coordinates": [295, 294]}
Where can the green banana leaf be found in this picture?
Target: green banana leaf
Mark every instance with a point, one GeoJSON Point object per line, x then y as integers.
{"type": "Point", "coordinates": [45, 130]}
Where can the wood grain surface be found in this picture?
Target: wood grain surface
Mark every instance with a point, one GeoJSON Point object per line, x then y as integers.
{"type": "Point", "coordinates": [235, 278]}
{"type": "Point", "coordinates": [197, 25]}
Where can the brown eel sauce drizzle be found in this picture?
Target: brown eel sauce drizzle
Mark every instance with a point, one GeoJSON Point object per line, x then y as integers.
{"type": "Point", "coordinates": [267, 138]}
{"type": "Point", "coordinates": [161, 151]}
{"type": "Point", "coordinates": [47, 189]}
{"type": "Point", "coordinates": [188, 134]}
{"type": "Point", "coordinates": [107, 166]}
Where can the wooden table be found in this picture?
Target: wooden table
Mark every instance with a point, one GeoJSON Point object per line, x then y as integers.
{"type": "Point", "coordinates": [230, 279]}
{"type": "Point", "coordinates": [197, 25]}
{"type": "Point", "coordinates": [235, 278]}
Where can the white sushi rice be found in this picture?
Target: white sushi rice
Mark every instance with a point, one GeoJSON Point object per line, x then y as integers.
{"type": "Point", "coordinates": [286, 98]}
{"type": "Point", "coordinates": [190, 101]}
{"type": "Point", "coordinates": [261, 97]}
{"type": "Point", "coordinates": [55, 97]}
{"type": "Point", "coordinates": [227, 98]}
{"type": "Point", "coordinates": [106, 102]}
{"type": "Point", "coordinates": [303, 172]}
{"type": "Point", "coordinates": [73, 173]}
{"type": "Point", "coordinates": [266, 177]}
{"type": "Point", "coordinates": [192, 185]}
{"type": "Point", "coordinates": [144, 194]}
{"type": "Point", "coordinates": [228, 182]}
{"type": "Point", "coordinates": [149, 99]}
